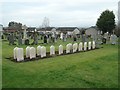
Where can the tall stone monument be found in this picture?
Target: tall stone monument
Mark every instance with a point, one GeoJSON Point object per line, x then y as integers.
{"type": "Point", "coordinates": [24, 27]}
{"type": "Point", "coordinates": [25, 39]}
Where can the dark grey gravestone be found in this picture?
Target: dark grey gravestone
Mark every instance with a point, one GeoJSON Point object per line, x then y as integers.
{"type": "Point", "coordinates": [19, 39]}
{"type": "Point", "coordinates": [11, 39]}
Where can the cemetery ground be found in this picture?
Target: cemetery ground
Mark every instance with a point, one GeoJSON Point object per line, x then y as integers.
{"type": "Point", "coordinates": [91, 69]}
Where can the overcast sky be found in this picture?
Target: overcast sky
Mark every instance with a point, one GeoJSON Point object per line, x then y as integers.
{"type": "Point", "coordinates": [79, 13]}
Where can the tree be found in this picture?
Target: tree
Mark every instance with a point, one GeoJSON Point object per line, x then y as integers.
{"type": "Point", "coordinates": [106, 21]}
{"type": "Point", "coordinates": [15, 25]}
{"type": "Point", "coordinates": [45, 22]}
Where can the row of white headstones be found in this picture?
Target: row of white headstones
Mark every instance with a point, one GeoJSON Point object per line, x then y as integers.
{"type": "Point", "coordinates": [32, 52]}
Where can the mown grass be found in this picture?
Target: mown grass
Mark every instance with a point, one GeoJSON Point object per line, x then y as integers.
{"type": "Point", "coordinates": [92, 69]}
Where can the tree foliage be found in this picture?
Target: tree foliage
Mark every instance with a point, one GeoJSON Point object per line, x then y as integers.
{"type": "Point", "coordinates": [106, 21]}
{"type": "Point", "coordinates": [15, 25]}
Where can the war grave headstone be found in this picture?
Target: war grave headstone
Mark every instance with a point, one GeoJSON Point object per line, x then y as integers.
{"type": "Point", "coordinates": [80, 47]}
{"type": "Point", "coordinates": [52, 50]}
{"type": "Point", "coordinates": [38, 50]}
{"type": "Point", "coordinates": [18, 54]}
{"type": "Point", "coordinates": [89, 45]}
{"type": "Point", "coordinates": [15, 52]}
{"type": "Point", "coordinates": [75, 47]}
{"type": "Point", "coordinates": [28, 52]}
{"type": "Point", "coordinates": [32, 52]}
{"type": "Point", "coordinates": [85, 46]}
{"type": "Point", "coordinates": [68, 48]}
{"type": "Point", "coordinates": [93, 45]}
{"type": "Point", "coordinates": [60, 49]}
{"type": "Point", "coordinates": [43, 51]}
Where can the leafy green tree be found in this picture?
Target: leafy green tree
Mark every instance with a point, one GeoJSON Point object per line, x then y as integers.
{"type": "Point", "coordinates": [15, 25]}
{"type": "Point", "coordinates": [106, 21]}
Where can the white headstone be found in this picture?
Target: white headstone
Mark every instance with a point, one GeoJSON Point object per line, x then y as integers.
{"type": "Point", "coordinates": [93, 45]}
{"type": "Point", "coordinates": [80, 46]}
{"type": "Point", "coordinates": [75, 47]}
{"type": "Point", "coordinates": [43, 51]}
{"type": "Point", "coordinates": [27, 51]}
{"type": "Point", "coordinates": [32, 52]}
{"type": "Point", "coordinates": [89, 45]}
{"type": "Point", "coordinates": [71, 46]}
{"type": "Point", "coordinates": [68, 48]}
{"type": "Point", "coordinates": [52, 50]}
{"type": "Point", "coordinates": [38, 50]}
{"type": "Point", "coordinates": [15, 52]}
{"type": "Point", "coordinates": [113, 39]}
{"type": "Point", "coordinates": [85, 46]}
{"type": "Point", "coordinates": [60, 49]}
{"type": "Point", "coordinates": [20, 55]}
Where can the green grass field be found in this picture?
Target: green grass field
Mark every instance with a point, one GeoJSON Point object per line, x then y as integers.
{"type": "Point", "coordinates": [92, 69]}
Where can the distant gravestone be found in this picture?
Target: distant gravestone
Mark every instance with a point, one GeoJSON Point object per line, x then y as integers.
{"type": "Point", "coordinates": [43, 51]}
{"type": "Point", "coordinates": [83, 38]}
{"type": "Point", "coordinates": [80, 46]}
{"type": "Point", "coordinates": [113, 39]}
{"type": "Point", "coordinates": [28, 52]}
{"type": "Point", "coordinates": [106, 37]}
{"type": "Point", "coordinates": [24, 27]}
{"type": "Point", "coordinates": [93, 45]}
{"type": "Point", "coordinates": [52, 50]}
{"type": "Point", "coordinates": [85, 46]}
{"type": "Point", "coordinates": [19, 39]}
{"type": "Point", "coordinates": [11, 39]}
{"type": "Point", "coordinates": [45, 39]}
{"type": "Point", "coordinates": [89, 45]}
{"type": "Point", "coordinates": [38, 50]}
{"type": "Point", "coordinates": [60, 49]}
{"type": "Point", "coordinates": [75, 47]}
{"type": "Point", "coordinates": [32, 52]}
{"type": "Point", "coordinates": [61, 36]}
{"type": "Point", "coordinates": [35, 39]}
{"type": "Point", "coordinates": [18, 54]}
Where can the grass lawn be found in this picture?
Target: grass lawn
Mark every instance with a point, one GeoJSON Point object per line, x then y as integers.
{"type": "Point", "coordinates": [92, 69]}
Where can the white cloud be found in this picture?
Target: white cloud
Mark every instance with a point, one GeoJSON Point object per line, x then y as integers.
{"type": "Point", "coordinates": [60, 12]}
